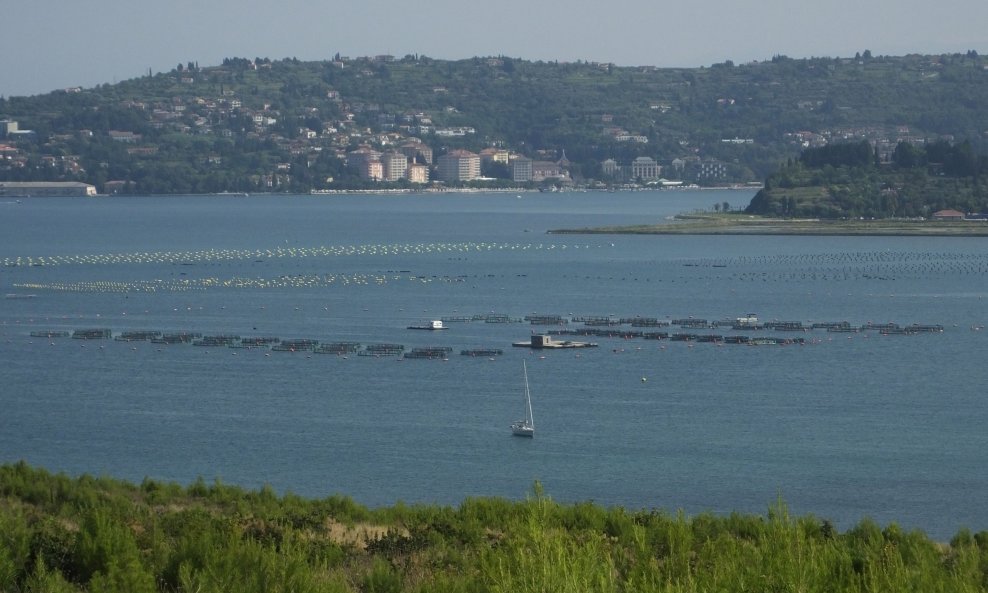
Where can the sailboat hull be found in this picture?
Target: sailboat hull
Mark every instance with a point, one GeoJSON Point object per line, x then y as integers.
{"type": "Point", "coordinates": [522, 430]}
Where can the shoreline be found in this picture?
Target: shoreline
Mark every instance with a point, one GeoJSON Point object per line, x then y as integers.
{"type": "Point", "coordinates": [427, 190]}
{"type": "Point", "coordinates": [751, 225]}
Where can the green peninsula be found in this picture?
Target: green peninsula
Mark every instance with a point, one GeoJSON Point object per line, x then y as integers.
{"type": "Point", "coordinates": [935, 189]}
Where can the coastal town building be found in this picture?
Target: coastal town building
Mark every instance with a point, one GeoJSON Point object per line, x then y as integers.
{"type": "Point", "coordinates": [711, 170]}
{"type": "Point", "coordinates": [459, 165]}
{"type": "Point", "coordinates": [367, 162]}
{"type": "Point", "coordinates": [124, 136]}
{"type": "Point", "coordinates": [645, 168]}
{"type": "Point", "coordinates": [372, 170]}
{"type": "Point", "coordinates": [7, 127]}
{"type": "Point", "coordinates": [418, 173]}
{"type": "Point", "coordinates": [495, 155]}
{"type": "Point", "coordinates": [47, 189]}
{"type": "Point", "coordinates": [417, 151]}
{"type": "Point", "coordinates": [118, 186]}
{"type": "Point", "coordinates": [521, 169]}
{"type": "Point", "coordinates": [11, 130]}
{"type": "Point", "coordinates": [395, 165]}
{"type": "Point", "coordinates": [947, 215]}
{"type": "Point", "coordinates": [547, 170]}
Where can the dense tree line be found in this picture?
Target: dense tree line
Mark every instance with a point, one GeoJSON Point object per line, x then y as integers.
{"type": "Point", "coordinates": [845, 154]}
{"type": "Point", "coordinates": [71, 535]}
{"type": "Point", "coordinates": [846, 181]}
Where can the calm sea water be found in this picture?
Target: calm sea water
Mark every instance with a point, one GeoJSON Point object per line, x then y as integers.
{"type": "Point", "coordinates": [846, 426]}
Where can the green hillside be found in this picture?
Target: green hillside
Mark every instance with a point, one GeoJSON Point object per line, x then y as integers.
{"type": "Point", "coordinates": [851, 181]}
{"type": "Point", "coordinates": [64, 535]}
{"type": "Point", "coordinates": [286, 125]}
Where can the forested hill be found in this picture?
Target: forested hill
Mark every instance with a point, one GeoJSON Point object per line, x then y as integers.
{"type": "Point", "coordinates": [850, 180]}
{"type": "Point", "coordinates": [287, 125]}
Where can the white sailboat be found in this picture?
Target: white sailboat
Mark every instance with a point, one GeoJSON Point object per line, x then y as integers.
{"type": "Point", "coordinates": [526, 426]}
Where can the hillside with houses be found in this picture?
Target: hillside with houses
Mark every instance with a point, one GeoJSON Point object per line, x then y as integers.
{"type": "Point", "coordinates": [381, 122]}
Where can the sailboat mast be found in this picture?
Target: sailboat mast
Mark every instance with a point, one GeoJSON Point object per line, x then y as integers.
{"type": "Point", "coordinates": [528, 395]}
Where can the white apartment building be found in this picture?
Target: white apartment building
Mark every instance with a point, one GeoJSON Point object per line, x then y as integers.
{"type": "Point", "coordinates": [395, 165]}
{"type": "Point", "coordinates": [459, 165]}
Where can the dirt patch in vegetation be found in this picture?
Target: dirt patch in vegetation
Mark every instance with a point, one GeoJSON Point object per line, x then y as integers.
{"type": "Point", "coordinates": [359, 534]}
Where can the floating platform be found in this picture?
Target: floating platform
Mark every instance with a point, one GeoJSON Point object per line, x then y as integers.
{"type": "Point", "coordinates": [545, 342]}
{"type": "Point", "coordinates": [433, 325]}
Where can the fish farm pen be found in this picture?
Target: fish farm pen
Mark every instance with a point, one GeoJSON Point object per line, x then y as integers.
{"type": "Point", "coordinates": [546, 319]}
{"type": "Point", "coordinates": [215, 341]}
{"type": "Point", "coordinates": [257, 342]}
{"type": "Point", "coordinates": [747, 331]}
{"type": "Point", "coordinates": [179, 338]}
{"type": "Point", "coordinates": [50, 334]}
{"type": "Point", "coordinates": [298, 345]}
{"type": "Point", "coordinates": [429, 352]}
{"type": "Point", "coordinates": [138, 336]}
{"type": "Point", "coordinates": [91, 334]}
{"type": "Point", "coordinates": [382, 350]}
{"type": "Point", "coordinates": [338, 348]}
{"type": "Point", "coordinates": [483, 317]}
{"type": "Point", "coordinates": [486, 352]}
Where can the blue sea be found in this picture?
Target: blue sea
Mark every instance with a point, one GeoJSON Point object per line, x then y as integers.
{"type": "Point", "coordinates": [842, 426]}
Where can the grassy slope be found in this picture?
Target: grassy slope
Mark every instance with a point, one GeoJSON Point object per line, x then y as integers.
{"type": "Point", "coordinates": [86, 534]}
